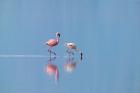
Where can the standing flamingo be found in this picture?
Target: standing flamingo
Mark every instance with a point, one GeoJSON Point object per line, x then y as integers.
{"type": "Point", "coordinates": [53, 42]}
{"type": "Point", "coordinates": [72, 46]}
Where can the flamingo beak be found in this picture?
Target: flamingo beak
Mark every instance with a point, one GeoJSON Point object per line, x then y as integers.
{"type": "Point", "coordinates": [58, 34]}
{"type": "Point", "coordinates": [81, 55]}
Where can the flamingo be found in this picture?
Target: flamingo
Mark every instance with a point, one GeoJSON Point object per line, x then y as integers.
{"type": "Point", "coordinates": [72, 46]}
{"type": "Point", "coordinates": [53, 42]}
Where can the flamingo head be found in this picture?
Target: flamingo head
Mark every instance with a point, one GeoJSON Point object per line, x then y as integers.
{"type": "Point", "coordinates": [57, 34]}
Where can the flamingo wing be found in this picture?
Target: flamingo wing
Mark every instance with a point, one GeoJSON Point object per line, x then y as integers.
{"type": "Point", "coordinates": [52, 42]}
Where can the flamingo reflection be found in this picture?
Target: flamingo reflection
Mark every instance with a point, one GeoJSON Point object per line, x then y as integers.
{"type": "Point", "coordinates": [71, 64]}
{"type": "Point", "coordinates": [52, 69]}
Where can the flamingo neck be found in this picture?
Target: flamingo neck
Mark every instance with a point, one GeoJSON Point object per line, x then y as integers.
{"type": "Point", "coordinates": [57, 39]}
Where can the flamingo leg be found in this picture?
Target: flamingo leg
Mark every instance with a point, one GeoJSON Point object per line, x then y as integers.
{"type": "Point", "coordinates": [51, 59]}
{"type": "Point", "coordinates": [49, 50]}
{"type": "Point", "coordinates": [53, 53]}
{"type": "Point", "coordinates": [71, 59]}
{"type": "Point", "coordinates": [70, 53]}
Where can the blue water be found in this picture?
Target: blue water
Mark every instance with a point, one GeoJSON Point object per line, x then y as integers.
{"type": "Point", "coordinates": [107, 31]}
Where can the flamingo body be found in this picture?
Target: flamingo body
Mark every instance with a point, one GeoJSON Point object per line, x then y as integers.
{"type": "Point", "coordinates": [71, 45]}
{"type": "Point", "coordinates": [52, 42]}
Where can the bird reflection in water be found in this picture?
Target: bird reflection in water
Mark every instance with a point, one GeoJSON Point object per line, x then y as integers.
{"type": "Point", "coordinates": [71, 64]}
{"type": "Point", "coordinates": [52, 69]}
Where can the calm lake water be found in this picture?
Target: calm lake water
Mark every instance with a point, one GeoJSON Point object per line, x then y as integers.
{"type": "Point", "coordinates": [107, 31]}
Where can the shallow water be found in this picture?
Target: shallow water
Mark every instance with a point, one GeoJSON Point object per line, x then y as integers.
{"type": "Point", "coordinates": [106, 31]}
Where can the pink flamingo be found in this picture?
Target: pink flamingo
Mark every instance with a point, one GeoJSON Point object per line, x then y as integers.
{"type": "Point", "coordinates": [53, 42]}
